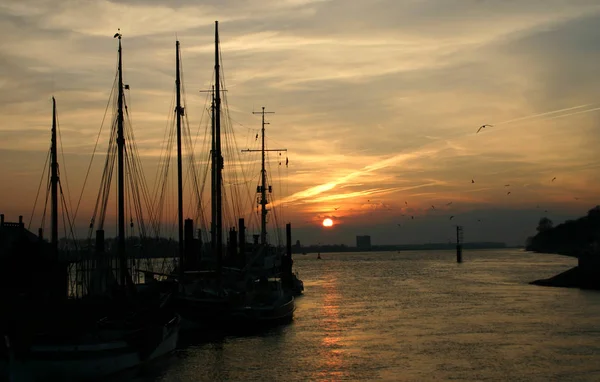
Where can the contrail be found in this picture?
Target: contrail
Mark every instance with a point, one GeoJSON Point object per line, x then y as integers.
{"type": "Point", "coordinates": [577, 112]}
{"type": "Point", "coordinates": [425, 150]}
{"type": "Point", "coordinates": [546, 113]}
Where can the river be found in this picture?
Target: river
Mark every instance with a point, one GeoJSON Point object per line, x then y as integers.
{"type": "Point", "coordinates": [414, 316]}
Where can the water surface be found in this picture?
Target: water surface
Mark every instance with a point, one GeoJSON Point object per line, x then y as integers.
{"type": "Point", "coordinates": [414, 316]}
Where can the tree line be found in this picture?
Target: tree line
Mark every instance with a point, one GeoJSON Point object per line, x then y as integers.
{"type": "Point", "coordinates": [572, 238]}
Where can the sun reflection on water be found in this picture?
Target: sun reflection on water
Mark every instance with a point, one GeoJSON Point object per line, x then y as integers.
{"type": "Point", "coordinates": [332, 348]}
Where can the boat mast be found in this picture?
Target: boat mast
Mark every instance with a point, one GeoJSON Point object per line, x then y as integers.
{"type": "Point", "coordinates": [121, 172]}
{"type": "Point", "coordinates": [263, 174]}
{"type": "Point", "coordinates": [263, 188]}
{"type": "Point", "coordinates": [218, 161]}
{"type": "Point", "coordinates": [179, 111]}
{"type": "Point", "coordinates": [54, 184]}
{"type": "Point", "coordinates": [213, 209]}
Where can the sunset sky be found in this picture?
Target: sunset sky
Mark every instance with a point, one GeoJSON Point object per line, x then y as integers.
{"type": "Point", "coordinates": [378, 103]}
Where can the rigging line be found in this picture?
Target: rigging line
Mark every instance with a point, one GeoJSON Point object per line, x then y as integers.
{"type": "Point", "coordinates": [202, 115]}
{"type": "Point", "coordinates": [66, 213]}
{"type": "Point", "coordinates": [137, 167]}
{"type": "Point", "coordinates": [164, 146]}
{"type": "Point", "coordinates": [162, 181]}
{"type": "Point", "coordinates": [46, 202]}
{"type": "Point", "coordinates": [65, 216]}
{"type": "Point", "coordinates": [104, 193]}
{"type": "Point", "coordinates": [63, 161]}
{"type": "Point", "coordinates": [95, 146]}
{"type": "Point", "coordinates": [38, 191]}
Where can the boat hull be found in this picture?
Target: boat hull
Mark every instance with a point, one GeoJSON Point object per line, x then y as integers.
{"type": "Point", "coordinates": [236, 318]}
{"type": "Point", "coordinates": [88, 362]}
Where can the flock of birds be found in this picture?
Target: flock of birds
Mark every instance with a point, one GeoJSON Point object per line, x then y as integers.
{"type": "Point", "coordinates": [412, 217]}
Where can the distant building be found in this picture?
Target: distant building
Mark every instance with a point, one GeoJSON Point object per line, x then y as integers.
{"type": "Point", "coordinates": [363, 242]}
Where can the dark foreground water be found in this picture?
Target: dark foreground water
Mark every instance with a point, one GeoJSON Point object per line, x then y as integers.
{"type": "Point", "coordinates": [414, 316]}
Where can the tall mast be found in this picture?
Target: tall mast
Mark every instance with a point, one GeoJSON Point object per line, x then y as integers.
{"type": "Point", "coordinates": [121, 172]}
{"type": "Point", "coordinates": [54, 184]}
{"type": "Point", "coordinates": [263, 189]}
{"type": "Point", "coordinates": [213, 191]}
{"type": "Point", "coordinates": [263, 175]}
{"type": "Point", "coordinates": [218, 160]}
{"type": "Point", "coordinates": [179, 111]}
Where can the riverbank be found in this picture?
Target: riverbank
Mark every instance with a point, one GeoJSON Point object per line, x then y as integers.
{"type": "Point", "coordinates": [586, 275]}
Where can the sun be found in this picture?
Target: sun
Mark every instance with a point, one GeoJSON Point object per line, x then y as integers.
{"type": "Point", "coordinates": [327, 222]}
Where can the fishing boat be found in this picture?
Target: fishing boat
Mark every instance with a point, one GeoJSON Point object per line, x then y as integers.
{"type": "Point", "coordinates": [111, 327]}
{"type": "Point", "coordinates": [242, 285]}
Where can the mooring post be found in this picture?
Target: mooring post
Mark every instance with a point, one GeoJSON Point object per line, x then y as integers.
{"type": "Point", "coordinates": [459, 244]}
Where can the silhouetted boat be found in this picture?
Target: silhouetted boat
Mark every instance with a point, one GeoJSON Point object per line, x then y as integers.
{"type": "Point", "coordinates": [113, 327]}
{"type": "Point", "coordinates": [254, 288]}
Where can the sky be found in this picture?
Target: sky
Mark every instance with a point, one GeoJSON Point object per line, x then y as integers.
{"type": "Point", "coordinates": [377, 102]}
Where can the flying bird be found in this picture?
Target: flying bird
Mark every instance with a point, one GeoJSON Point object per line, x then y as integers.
{"type": "Point", "coordinates": [256, 137]}
{"type": "Point", "coordinates": [398, 225]}
{"type": "Point", "coordinates": [508, 193]}
{"type": "Point", "coordinates": [553, 179]}
{"type": "Point", "coordinates": [451, 217]}
{"type": "Point", "coordinates": [478, 220]}
{"type": "Point", "coordinates": [576, 198]}
{"type": "Point", "coordinates": [287, 161]}
{"type": "Point", "coordinates": [448, 203]}
{"type": "Point", "coordinates": [406, 203]}
{"type": "Point", "coordinates": [412, 217]}
{"type": "Point", "coordinates": [483, 127]}
{"type": "Point", "coordinates": [472, 181]}
{"type": "Point", "coordinates": [433, 207]}
{"type": "Point", "coordinates": [507, 185]}
{"type": "Point", "coordinates": [336, 208]}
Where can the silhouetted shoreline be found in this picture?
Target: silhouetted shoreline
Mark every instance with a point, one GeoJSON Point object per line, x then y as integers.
{"type": "Point", "coordinates": [586, 275]}
{"type": "Point", "coordinates": [577, 238]}
{"type": "Point", "coordinates": [398, 247]}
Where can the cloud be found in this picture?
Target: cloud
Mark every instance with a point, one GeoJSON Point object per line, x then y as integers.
{"type": "Point", "coordinates": [372, 100]}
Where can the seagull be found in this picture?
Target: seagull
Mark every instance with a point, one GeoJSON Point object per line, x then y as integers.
{"type": "Point", "coordinates": [508, 193]}
{"type": "Point", "coordinates": [451, 217]}
{"type": "Point", "coordinates": [433, 207]}
{"type": "Point", "coordinates": [472, 181]}
{"type": "Point", "coordinates": [406, 203]}
{"type": "Point", "coordinates": [483, 127]}
{"type": "Point", "coordinates": [336, 208]}
{"type": "Point", "coordinates": [553, 179]}
{"type": "Point", "coordinates": [448, 203]}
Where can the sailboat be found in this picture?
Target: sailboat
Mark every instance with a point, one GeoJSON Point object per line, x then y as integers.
{"type": "Point", "coordinates": [103, 332]}
{"type": "Point", "coordinates": [246, 291]}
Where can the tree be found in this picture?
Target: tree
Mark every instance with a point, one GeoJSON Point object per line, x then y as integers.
{"type": "Point", "coordinates": [594, 212]}
{"type": "Point", "coordinates": [544, 224]}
